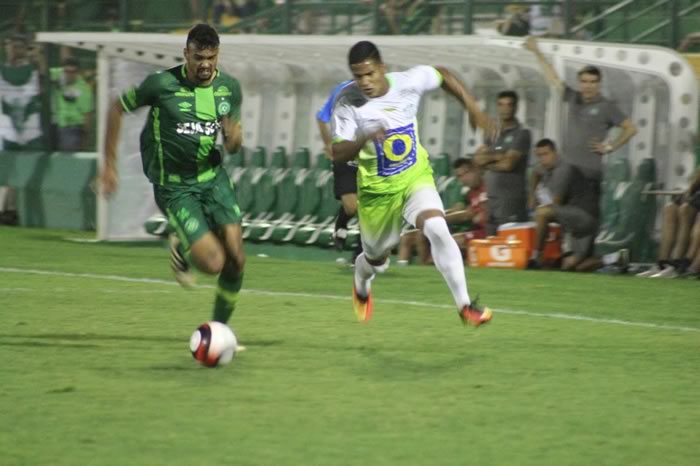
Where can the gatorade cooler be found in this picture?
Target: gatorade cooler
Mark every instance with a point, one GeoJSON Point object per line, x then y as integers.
{"type": "Point", "coordinates": [497, 252]}
{"type": "Point", "coordinates": [525, 232]}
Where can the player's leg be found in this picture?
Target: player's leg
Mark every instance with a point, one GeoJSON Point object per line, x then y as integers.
{"type": "Point", "coordinates": [222, 206]}
{"type": "Point", "coordinates": [345, 187]}
{"type": "Point", "coordinates": [192, 238]}
{"type": "Point", "coordinates": [424, 210]}
{"type": "Point", "coordinates": [231, 276]}
{"type": "Point", "coordinates": [380, 228]}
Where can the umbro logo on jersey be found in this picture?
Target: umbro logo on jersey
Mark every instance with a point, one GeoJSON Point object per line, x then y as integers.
{"type": "Point", "coordinates": [184, 106]}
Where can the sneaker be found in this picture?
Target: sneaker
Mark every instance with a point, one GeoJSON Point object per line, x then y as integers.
{"type": "Point", "coordinates": [667, 272]}
{"type": "Point", "coordinates": [475, 315]}
{"type": "Point", "coordinates": [649, 272]}
{"type": "Point", "coordinates": [179, 265]}
{"type": "Point", "coordinates": [362, 306]}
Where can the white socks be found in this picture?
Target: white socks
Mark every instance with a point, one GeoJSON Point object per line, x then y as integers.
{"type": "Point", "coordinates": [447, 258]}
{"type": "Point", "coordinates": [364, 273]}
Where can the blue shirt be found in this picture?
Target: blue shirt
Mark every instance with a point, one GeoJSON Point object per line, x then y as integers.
{"type": "Point", "coordinates": [326, 111]}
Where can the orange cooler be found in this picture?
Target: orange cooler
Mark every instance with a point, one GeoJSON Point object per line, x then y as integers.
{"type": "Point", "coordinates": [497, 252]}
{"type": "Point", "coordinates": [525, 232]}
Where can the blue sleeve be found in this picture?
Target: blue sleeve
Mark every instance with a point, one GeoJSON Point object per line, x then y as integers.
{"type": "Point", "coordinates": [326, 111]}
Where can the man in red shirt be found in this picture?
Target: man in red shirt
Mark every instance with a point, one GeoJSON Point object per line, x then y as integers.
{"type": "Point", "coordinates": [467, 220]}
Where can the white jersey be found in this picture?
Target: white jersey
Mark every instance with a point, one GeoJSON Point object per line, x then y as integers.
{"type": "Point", "coordinates": [400, 159]}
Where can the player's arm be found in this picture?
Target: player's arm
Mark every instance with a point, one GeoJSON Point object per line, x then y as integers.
{"type": "Point", "coordinates": [549, 72]}
{"type": "Point", "coordinates": [455, 87]}
{"type": "Point", "coordinates": [109, 178]}
{"type": "Point", "coordinates": [345, 151]}
{"type": "Point", "coordinates": [233, 134]}
{"type": "Point", "coordinates": [500, 161]}
{"type": "Point", "coordinates": [326, 138]}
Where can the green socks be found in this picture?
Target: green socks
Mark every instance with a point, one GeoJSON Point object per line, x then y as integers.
{"type": "Point", "coordinates": [229, 285]}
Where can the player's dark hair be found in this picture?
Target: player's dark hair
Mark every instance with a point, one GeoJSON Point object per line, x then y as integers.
{"type": "Point", "coordinates": [590, 69]}
{"type": "Point", "coordinates": [546, 142]}
{"type": "Point", "coordinates": [364, 51]}
{"type": "Point", "coordinates": [462, 162]}
{"type": "Point", "coordinates": [509, 95]}
{"type": "Point", "coordinates": [203, 36]}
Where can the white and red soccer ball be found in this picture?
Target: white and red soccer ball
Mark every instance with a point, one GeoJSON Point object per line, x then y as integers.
{"type": "Point", "coordinates": [213, 344]}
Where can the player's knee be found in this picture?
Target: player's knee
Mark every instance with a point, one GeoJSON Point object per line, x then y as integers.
{"type": "Point", "coordinates": [211, 261]}
{"type": "Point", "coordinates": [435, 229]}
{"type": "Point", "coordinates": [685, 210]}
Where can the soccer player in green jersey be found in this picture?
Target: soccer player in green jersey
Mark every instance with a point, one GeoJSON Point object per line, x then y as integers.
{"type": "Point", "coordinates": [374, 121]}
{"type": "Point", "coordinates": [189, 105]}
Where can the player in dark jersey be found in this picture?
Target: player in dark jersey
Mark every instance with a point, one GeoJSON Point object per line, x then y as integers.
{"type": "Point", "coordinates": [189, 105]}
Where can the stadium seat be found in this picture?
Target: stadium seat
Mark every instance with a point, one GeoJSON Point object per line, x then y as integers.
{"type": "Point", "coordinates": [302, 158]}
{"type": "Point", "coordinates": [637, 214]}
{"type": "Point", "coordinates": [323, 162]}
{"type": "Point", "coordinates": [319, 232]}
{"type": "Point", "coordinates": [440, 164]}
{"type": "Point", "coordinates": [279, 158]}
{"type": "Point", "coordinates": [237, 159]}
{"type": "Point", "coordinates": [258, 157]}
{"type": "Point", "coordinates": [308, 201]}
{"type": "Point", "coordinates": [263, 202]}
{"type": "Point", "coordinates": [285, 188]}
{"type": "Point", "coordinates": [616, 181]}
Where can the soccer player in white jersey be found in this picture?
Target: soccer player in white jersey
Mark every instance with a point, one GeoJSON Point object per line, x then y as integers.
{"type": "Point", "coordinates": [374, 120]}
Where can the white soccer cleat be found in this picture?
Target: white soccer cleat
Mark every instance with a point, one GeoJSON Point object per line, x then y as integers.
{"type": "Point", "coordinates": [667, 272]}
{"type": "Point", "coordinates": [649, 273]}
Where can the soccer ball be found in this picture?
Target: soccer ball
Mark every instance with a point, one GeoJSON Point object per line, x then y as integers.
{"type": "Point", "coordinates": [213, 344]}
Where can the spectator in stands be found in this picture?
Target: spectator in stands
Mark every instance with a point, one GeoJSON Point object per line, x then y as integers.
{"type": "Point", "coordinates": [467, 219]}
{"type": "Point", "coordinates": [680, 235]}
{"type": "Point", "coordinates": [517, 22]}
{"type": "Point", "coordinates": [72, 106]}
{"type": "Point", "coordinates": [505, 160]}
{"type": "Point", "coordinates": [20, 93]}
{"type": "Point", "coordinates": [565, 197]}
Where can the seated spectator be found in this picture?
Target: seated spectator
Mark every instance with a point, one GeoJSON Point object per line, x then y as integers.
{"type": "Point", "coordinates": [680, 235]}
{"type": "Point", "coordinates": [467, 219]}
{"type": "Point", "coordinates": [566, 197]}
{"type": "Point", "coordinates": [72, 106]}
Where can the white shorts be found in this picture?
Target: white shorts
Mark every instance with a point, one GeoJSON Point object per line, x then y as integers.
{"type": "Point", "coordinates": [383, 240]}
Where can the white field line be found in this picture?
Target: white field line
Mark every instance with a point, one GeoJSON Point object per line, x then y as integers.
{"type": "Point", "coordinates": [157, 281]}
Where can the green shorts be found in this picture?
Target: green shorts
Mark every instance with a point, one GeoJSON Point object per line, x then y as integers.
{"type": "Point", "coordinates": [193, 209]}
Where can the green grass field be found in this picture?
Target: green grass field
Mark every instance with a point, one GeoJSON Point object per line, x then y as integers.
{"type": "Point", "coordinates": [574, 369]}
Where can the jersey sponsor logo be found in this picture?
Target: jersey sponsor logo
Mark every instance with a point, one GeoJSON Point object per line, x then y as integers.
{"type": "Point", "coordinates": [208, 128]}
{"type": "Point", "coordinates": [184, 106]}
{"type": "Point", "coordinates": [184, 92]}
{"type": "Point", "coordinates": [224, 107]}
{"type": "Point", "coordinates": [397, 152]}
{"type": "Point", "coordinates": [222, 91]}
{"type": "Point", "coordinates": [390, 109]}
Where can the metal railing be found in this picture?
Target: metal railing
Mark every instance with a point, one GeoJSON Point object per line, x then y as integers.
{"type": "Point", "coordinates": [612, 20]}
